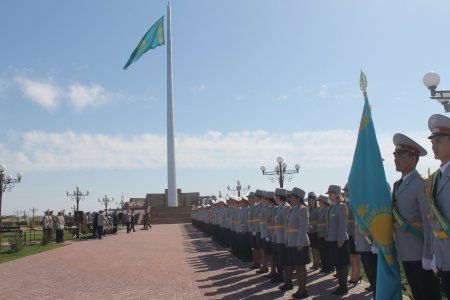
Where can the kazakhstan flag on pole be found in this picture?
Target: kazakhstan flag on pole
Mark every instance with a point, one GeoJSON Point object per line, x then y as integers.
{"type": "Point", "coordinates": [153, 38]}
{"type": "Point", "coordinates": [370, 197]}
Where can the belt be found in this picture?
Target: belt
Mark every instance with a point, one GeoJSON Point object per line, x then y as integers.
{"type": "Point", "coordinates": [349, 221]}
{"type": "Point", "coordinates": [262, 223]}
{"type": "Point", "coordinates": [271, 227]}
{"type": "Point", "coordinates": [313, 222]}
{"type": "Point", "coordinates": [418, 225]}
{"type": "Point", "coordinates": [278, 226]}
{"type": "Point", "coordinates": [292, 230]}
{"type": "Point", "coordinates": [440, 234]}
{"type": "Point", "coordinates": [322, 224]}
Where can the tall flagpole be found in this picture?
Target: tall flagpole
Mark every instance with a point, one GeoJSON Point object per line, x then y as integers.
{"type": "Point", "coordinates": [172, 182]}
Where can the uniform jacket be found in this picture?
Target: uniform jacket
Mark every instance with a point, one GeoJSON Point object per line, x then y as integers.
{"type": "Point", "coordinates": [313, 219]}
{"type": "Point", "coordinates": [271, 221]}
{"type": "Point", "coordinates": [322, 222]}
{"type": "Point", "coordinates": [362, 239]}
{"type": "Point", "coordinates": [410, 202]}
{"type": "Point", "coordinates": [60, 222]}
{"type": "Point", "coordinates": [296, 233]}
{"type": "Point", "coordinates": [101, 220]}
{"type": "Point", "coordinates": [337, 223]}
{"type": "Point", "coordinates": [256, 216]}
{"type": "Point", "coordinates": [280, 221]}
{"type": "Point", "coordinates": [263, 221]}
{"type": "Point", "coordinates": [351, 219]}
{"type": "Point", "coordinates": [441, 246]}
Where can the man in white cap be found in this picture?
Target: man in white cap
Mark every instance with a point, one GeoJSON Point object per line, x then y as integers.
{"type": "Point", "coordinates": [438, 193]}
{"type": "Point", "coordinates": [411, 225]}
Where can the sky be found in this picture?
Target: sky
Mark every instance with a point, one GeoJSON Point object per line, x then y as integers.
{"type": "Point", "coordinates": [253, 80]}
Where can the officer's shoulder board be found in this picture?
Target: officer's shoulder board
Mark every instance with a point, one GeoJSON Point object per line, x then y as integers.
{"type": "Point", "coordinates": [344, 209]}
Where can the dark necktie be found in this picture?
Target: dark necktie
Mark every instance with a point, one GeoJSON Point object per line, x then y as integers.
{"type": "Point", "coordinates": [398, 183]}
{"type": "Point", "coordinates": [436, 183]}
{"type": "Point", "coordinates": [396, 188]}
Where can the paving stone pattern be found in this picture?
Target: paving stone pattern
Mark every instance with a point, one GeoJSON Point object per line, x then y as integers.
{"type": "Point", "coordinates": [173, 261]}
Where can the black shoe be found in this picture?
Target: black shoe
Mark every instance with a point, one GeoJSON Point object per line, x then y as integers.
{"type": "Point", "coordinates": [276, 280]}
{"type": "Point", "coordinates": [369, 288]}
{"type": "Point", "coordinates": [262, 271]}
{"type": "Point", "coordinates": [269, 276]}
{"type": "Point", "coordinates": [300, 296]}
{"type": "Point", "coordinates": [255, 266]}
{"type": "Point", "coordinates": [340, 292]}
{"type": "Point", "coordinates": [358, 280]}
{"type": "Point", "coordinates": [286, 287]}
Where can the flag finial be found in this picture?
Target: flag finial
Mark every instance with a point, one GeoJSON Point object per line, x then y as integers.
{"type": "Point", "coordinates": [362, 81]}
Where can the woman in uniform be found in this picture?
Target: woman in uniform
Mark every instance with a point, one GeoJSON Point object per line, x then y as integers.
{"type": "Point", "coordinates": [312, 229]}
{"type": "Point", "coordinates": [297, 242]}
{"type": "Point", "coordinates": [338, 238]}
{"type": "Point", "coordinates": [327, 267]}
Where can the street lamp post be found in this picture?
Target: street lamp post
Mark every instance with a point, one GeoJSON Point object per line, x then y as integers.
{"type": "Point", "coordinates": [33, 210]}
{"type": "Point", "coordinates": [239, 188]}
{"type": "Point", "coordinates": [77, 195]}
{"type": "Point", "coordinates": [6, 184]}
{"type": "Point", "coordinates": [105, 200]}
{"type": "Point", "coordinates": [280, 172]}
{"type": "Point", "coordinates": [431, 81]}
{"type": "Point", "coordinates": [121, 203]}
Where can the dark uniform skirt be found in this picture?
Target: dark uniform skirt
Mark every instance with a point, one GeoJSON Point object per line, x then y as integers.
{"type": "Point", "coordinates": [259, 241]}
{"type": "Point", "coordinates": [313, 243]}
{"type": "Point", "coordinates": [282, 255]}
{"type": "Point", "coordinates": [267, 247]}
{"type": "Point", "coordinates": [252, 240]}
{"type": "Point", "coordinates": [338, 256]}
{"type": "Point", "coordinates": [298, 258]}
{"type": "Point", "coordinates": [351, 245]}
{"type": "Point", "coordinates": [273, 246]}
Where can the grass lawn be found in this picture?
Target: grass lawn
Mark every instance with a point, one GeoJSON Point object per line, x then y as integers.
{"type": "Point", "coordinates": [6, 256]}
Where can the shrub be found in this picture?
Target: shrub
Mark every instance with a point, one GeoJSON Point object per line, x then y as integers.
{"type": "Point", "coordinates": [16, 242]}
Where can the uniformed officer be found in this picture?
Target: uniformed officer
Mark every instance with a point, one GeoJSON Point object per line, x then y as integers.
{"type": "Point", "coordinates": [251, 229]}
{"type": "Point", "coordinates": [438, 199]}
{"type": "Point", "coordinates": [259, 194]}
{"type": "Point", "coordinates": [279, 226]}
{"type": "Point", "coordinates": [265, 237]}
{"type": "Point", "coordinates": [324, 203]}
{"type": "Point", "coordinates": [271, 235]}
{"type": "Point", "coordinates": [338, 238]}
{"type": "Point", "coordinates": [355, 260]}
{"type": "Point", "coordinates": [363, 243]}
{"type": "Point", "coordinates": [411, 225]}
{"type": "Point", "coordinates": [297, 242]}
{"type": "Point", "coordinates": [312, 229]}
{"type": "Point", "coordinates": [265, 233]}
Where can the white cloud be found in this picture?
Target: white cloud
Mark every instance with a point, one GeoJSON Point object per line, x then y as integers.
{"type": "Point", "coordinates": [198, 88]}
{"type": "Point", "coordinates": [49, 95]}
{"type": "Point", "coordinates": [325, 157]}
{"type": "Point", "coordinates": [282, 98]}
{"type": "Point", "coordinates": [40, 150]}
{"type": "Point", "coordinates": [83, 96]}
{"type": "Point", "coordinates": [43, 93]}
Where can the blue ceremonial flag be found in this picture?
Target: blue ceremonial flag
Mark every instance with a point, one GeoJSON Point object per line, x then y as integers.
{"type": "Point", "coordinates": [370, 197]}
{"type": "Point", "coordinates": [153, 38]}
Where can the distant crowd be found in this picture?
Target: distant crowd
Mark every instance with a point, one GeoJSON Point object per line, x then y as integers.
{"type": "Point", "coordinates": [95, 224]}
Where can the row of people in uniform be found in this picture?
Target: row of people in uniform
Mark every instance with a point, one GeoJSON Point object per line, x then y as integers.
{"type": "Point", "coordinates": [277, 229]}
{"type": "Point", "coordinates": [276, 233]}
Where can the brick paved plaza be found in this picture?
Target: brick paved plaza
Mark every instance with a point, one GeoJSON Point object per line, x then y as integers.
{"type": "Point", "coordinates": [166, 262]}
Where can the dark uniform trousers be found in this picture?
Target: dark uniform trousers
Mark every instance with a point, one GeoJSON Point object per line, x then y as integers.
{"type": "Point", "coordinates": [424, 284]}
